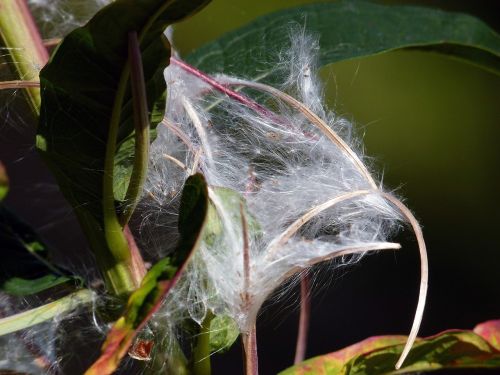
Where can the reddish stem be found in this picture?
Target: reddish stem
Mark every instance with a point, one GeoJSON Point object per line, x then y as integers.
{"type": "Point", "coordinates": [18, 84]}
{"type": "Point", "coordinates": [41, 55]}
{"type": "Point", "coordinates": [21, 36]}
{"type": "Point", "coordinates": [137, 267]}
{"type": "Point", "coordinates": [245, 100]}
{"type": "Point", "coordinates": [223, 89]}
{"type": "Point", "coordinates": [250, 352]}
{"type": "Point", "coordinates": [51, 43]}
{"type": "Point", "coordinates": [305, 314]}
{"type": "Point", "coordinates": [141, 128]}
{"type": "Point", "coordinates": [249, 338]}
{"type": "Point", "coordinates": [246, 253]}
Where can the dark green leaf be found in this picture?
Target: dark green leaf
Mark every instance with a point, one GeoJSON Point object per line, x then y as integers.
{"type": "Point", "coordinates": [25, 267]}
{"type": "Point", "coordinates": [159, 280]}
{"type": "Point", "coordinates": [347, 30]}
{"type": "Point", "coordinates": [85, 79]}
{"type": "Point", "coordinates": [378, 355]}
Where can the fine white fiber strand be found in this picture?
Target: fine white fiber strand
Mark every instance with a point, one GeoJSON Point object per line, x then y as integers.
{"type": "Point", "coordinates": [288, 187]}
{"type": "Point", "coordinates": [17, 351]}
{"type": "Point", "coordinates": [38, 347]}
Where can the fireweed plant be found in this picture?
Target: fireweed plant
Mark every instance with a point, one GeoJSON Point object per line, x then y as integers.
{"type": "Point", "coordinates": [286, 191]}
{"type": "Point", "coordinates": [234, 189]}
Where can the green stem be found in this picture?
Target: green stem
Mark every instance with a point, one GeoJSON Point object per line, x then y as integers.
{"type": "Point", "coordinates": [201, 353]}
{"type": "Point", "coordinates": [141, 133]}
{"type": "Point", "coordinates": [117, 275]}
{"type": "Point", "coordinates": [116, 239]}
{"type": "Point", "coordinates": [113, 230]}
{"type": "Point", "coordinates": [43, 313]}
{"type": "Point", "coordinates": [21, 36]}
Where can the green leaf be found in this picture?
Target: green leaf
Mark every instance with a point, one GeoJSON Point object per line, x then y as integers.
{"type": "Point", "coordinates": [4, 182]}
{"type": "Point", "coordinates": [159, 280]}
{"type": "Point", "coordinates": [43, 313]}
{"type": "Point", "coordinates": [451, 349]}
{"type": "Point", "coordinates": [23, 287]}
{"type": "Point", "coordinates": [348, 30]}
{"type": "Point", "coordinates": [231, 200]}
{"type": "Point", "coordinates": [223, 333]}
{"type": "Point", "coordinates": [86, 122]}
{"type": "Point", "coordinates": [26, 266]}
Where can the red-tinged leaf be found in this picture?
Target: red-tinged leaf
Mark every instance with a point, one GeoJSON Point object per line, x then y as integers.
{"type": "Point", "coordinates": [160, 279]}
{"type": "Point", "coordinates": [378, 355]}
{"type": "Point", "coordinates": [490, 331]}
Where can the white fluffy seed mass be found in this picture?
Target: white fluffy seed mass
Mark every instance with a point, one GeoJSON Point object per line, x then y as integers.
{"type": "Point", "coordinates": [283, 195]}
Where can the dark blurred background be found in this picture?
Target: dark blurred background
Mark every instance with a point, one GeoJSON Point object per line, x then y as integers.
{"type": "Point", "coordinates": [432, 125]}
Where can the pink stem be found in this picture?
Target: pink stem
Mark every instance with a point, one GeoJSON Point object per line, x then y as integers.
{"type": "Point", "coordinates": [21, 36]}
{"type": "Point", "coordinates": [18, 84]}
{"type": "Point", "coordinates": [223, 89]}
{"type": "Point", "coordinates": [246, 253]}
{"type": "Point", "coordinates": [250, 352]}
{"type": "Point", "coordinates": [245, 100]}
{"type": "Point", "coordinates": [305, 314]}
{"type": "Point", "coordinates": [41, 54]}
{"type": "Point", "coordinates": [249, 338]}
{"type": "Point", "coordinates": [138, 269]}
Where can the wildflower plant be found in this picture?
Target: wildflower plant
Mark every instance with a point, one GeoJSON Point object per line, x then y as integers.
{"type": "Point", "coordinates": [234, 187]}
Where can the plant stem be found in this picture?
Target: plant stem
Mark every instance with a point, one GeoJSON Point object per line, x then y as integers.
{"type": "Point", "coordinates": [22, 38]}
{"type": "Point", "coordinates": [51, 43]}
{"type": "Point", "coordinates": [138, 267]}
{"type": "Point", "coordinates": [219, 87]}
{"type": "Point", "coordinates": [43, 313]}
{"type": "Point", "coordinates": [112, 227]}
{"type": "Point", "coordinates": [249, 338]}
{"type": "Point", "coordinates": [141, 125]}
{"type": "Point", "coordinates": [246, 253]}
{"type": "Point", "coordinates": [121, 278]}
{"type": "Point", "coordinates": [250, 352]}
{"type": "Point", "coordinates": [18, 84]}
{"type": "Point", "coordinates": [201, 353]}
{"type": "Point", "coordinates": [305, 310]}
